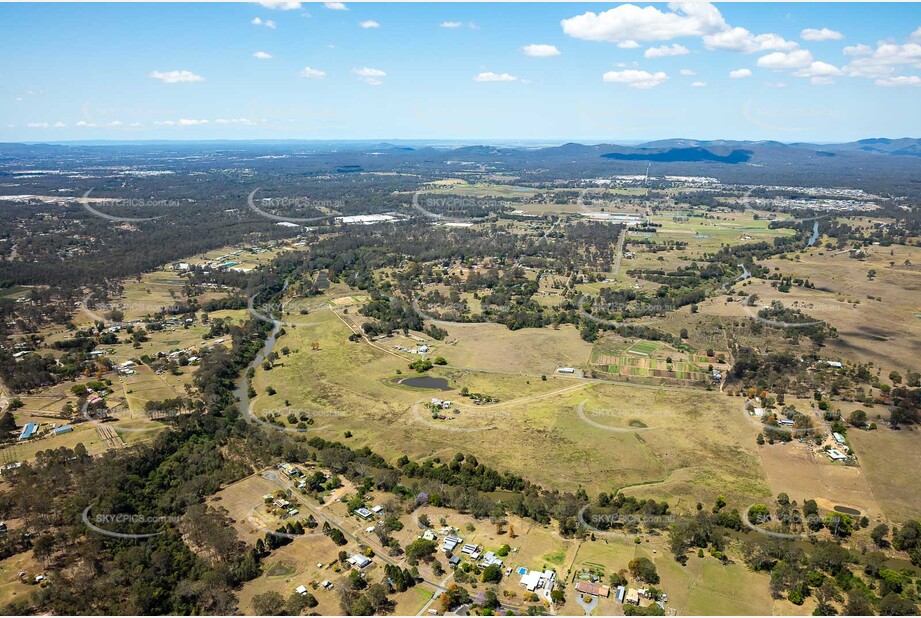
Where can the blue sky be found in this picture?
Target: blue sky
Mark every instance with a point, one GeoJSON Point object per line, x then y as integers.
{"type": "Point", "coordinates": [597, 71]}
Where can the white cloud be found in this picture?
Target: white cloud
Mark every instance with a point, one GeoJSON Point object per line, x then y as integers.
{"type": "Point", "coordinates": [261, 55]}
{"type": "Point", "coordinates": [688, 72]}
{"type": "Point", "coordinates": [629, 22]}
{"type": "Point", "coordinates": [916, 35]}
{"type": "Point", "coordinates": [901, 80]}
{"type": "Point", "coordinates": [780, 61]}
{"type": "Point", "coordinates": [369, 23]}
{"type": "Point", "coordinates": [282, 5]}
{"type": "Point", "coordinates": [336, 6]}
{"type": "Point", "coordinates": [635, 78]}
{"type": "Point", "coordinates": [182, 122]}
{"type": "Point", "coordinates": [311, 73]}
{"type": "Point", "coordinates": [741, 40]}
{"type": "Point", "coordinates": [819, 69]}
{"type": "Point", "coordinates": [740, 73]}
{"type": "Point", "coordinates": [628, 44]}
{"type": "Point", "coordinates": [666, 50]}
{"type": "Point", "coordinates": [59, 125]}
{"type": "Point", "coordinates": [698, 84]}
{"type": "Point", "coordinates": [540, 50]}
{"type": "Point", "coordinates": [821, 81]}
{"type": "Point", "coordinates": [84, 124]}
{"type": "Point", "coordinates": [775, 84]}
{"type": "Point", "coordinates": [176, 77]}
{"type": "Point", "coordinates": [234, 121]}
{"type": "Point", "coordinates": [451, 24]}
{"type": "Point", "coordinates": [882, 61]}
{"type": "Point", "coordinates": [370, 76]}
{"type": "Point", "coordinates": [38, 125]}
{"type": "Point", "coordinates": [811, 34]}
{"type": "Point", "coordinates": [489, 76]}
{"type": "Point", "coordinates": [268, 23]}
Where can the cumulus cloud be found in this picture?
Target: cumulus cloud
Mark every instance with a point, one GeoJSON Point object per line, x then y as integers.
{"type": "Point", "coordinates": [916, 35]}
{"type": "Point", "coordinates": [282, 5]}
{"type": "Point", "coordinates": [372, 77]}
{"type": "Point", "coordinates": [261, 55]}
{"type": "Point", "coordinates": [823, 34]}
{"type": "Point", "coordinates": [489, 76]}
{"type": "Point", "coordinates": [741, 40]}
{"type": "Point", "coordinates": [540, 50]}
{"type": "Point", "coordinates": [901, 80]}
{"type": "Point", "coordinates": [882, 61]}
{"type": "Point", "coordinates": [635, 78]}
{"type": "Point", "coordinates": [336, 6]}
{"type": "Point", "coordinates": [666, 50]}
{"type": "Point", "coordinates": [780, 61]}
{"type": "Point", "coordinates": [369, 23]}
{"type": "Point", "coordinates": [311, 73]}
{"type": "Point", "coordinates": [821, 72]}
{"type": "Point", "coordinates": [688, 72]}
{"type": "Point", "coordinates": [268, 23]}
{"type": "Point", "coordinates": [628, 44]}
{"type": "Point", "coordinates": [629, 22]}
{"type": "Point", "coordinates": [740, 73]}
{"type": "Point", "coordinates": [176, 77]}
{"type": "Point", "coordinates": [451, 24]}
{"type": "Point", "coordinates": [698, 84]}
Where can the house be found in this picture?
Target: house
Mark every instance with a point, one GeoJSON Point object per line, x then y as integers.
{"type": "Point", "coordinates": [836, 455]}
{"type": "Point", "coordinates": [786, 422]}
{"type": "Point", "coordinates": [359, 561]}
{"type": "Point", "coordinates": [621, 591]}
{"type": "Point", "coordinates": [302, 589]}
{"type": "Point", "coordinates": [633, 596]}
{"type": "Point", "coordinates": [759, 412]}
{"type": "Point", "coordinates": [63, 429]}
{"type": "Point", "coordinates": [429, 535]}
{"type": "Point", "coordinates": [326, 584]}
{"type": "Point", "coordinates": [451, 542]}
{"type": "Point", "coordinates": [838, 438]}
{"type": "Point", "coordinates": [538, 580]}
{"type": "Point", "coordinates": [377, 509]}
{"type": "Point", "coordinates": [596, 590]}
{"type": "Point", "coordinates": [28, 431]}
{"type": "Point", "coordinates": [490, 559]}
{"type": "Point", "coordinates": [835, 364]}
{"type": "Point", "coordinates": [565, 370]}
{"type": "Point", "coordinates": [469, 548]}
{"type": "Point", "coordinates": [454, 561]}
{"type": "Point", "coordinates": [363, 512]}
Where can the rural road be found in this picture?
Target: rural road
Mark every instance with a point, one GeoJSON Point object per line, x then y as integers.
{"type": "Point", "coordinates": [271, 475]}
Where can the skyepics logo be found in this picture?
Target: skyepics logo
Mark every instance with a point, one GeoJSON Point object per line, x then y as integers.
{"type": "Point", "coordinates": [96, 411]}
{"type": "Point", "coordinates": [602, 522]}
{"type": "Point", "coordinates": [112, 314]}
{"type": "Point", "coordinates": [126, 525]}
{"type": "Point", "coordinates": [293, 420]}
{"type": "Point", "coordinates": [437, 415]}
{"type": "Point", "coordinates": [294, 203]}
{"type": "Point", "coordinates": [133, 203]}
{"type": "Point", "coordinates": [457, 210]}
{"type": "Point", "coordinates": [596, 418]}
{"type": "Point", "coordinates": [592, 309]}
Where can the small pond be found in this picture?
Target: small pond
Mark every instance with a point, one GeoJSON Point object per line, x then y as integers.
{"type": "Point", "coordinates": [440, 384]}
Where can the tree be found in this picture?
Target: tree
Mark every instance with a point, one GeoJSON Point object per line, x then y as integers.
{"type": "Point", "coordinates": [894, 605]}
{"type": "Point", "coordinates": [879, 534]}
{"type": "Point", "coordinates": [268, 604]}
{"type": "Point", "coordinates": [858, 418]}
{"type": "Point", "coordinates": [557, 597]}
{"type": "Point", "coordinates": [7, 422]}
{"type": "Point", "coordinates": [492, 574]}
{"type": "Point", "coordinates": [420, 549]}
{"type": "Point", "coordinates": [644, 570]}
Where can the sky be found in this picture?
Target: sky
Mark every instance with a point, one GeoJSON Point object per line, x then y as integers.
{"type": "Point", "coordinates": [553, 72]}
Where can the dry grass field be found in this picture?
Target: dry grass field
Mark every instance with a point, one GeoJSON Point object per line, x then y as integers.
{"type": "Point", "coordinates": [687, 446]}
